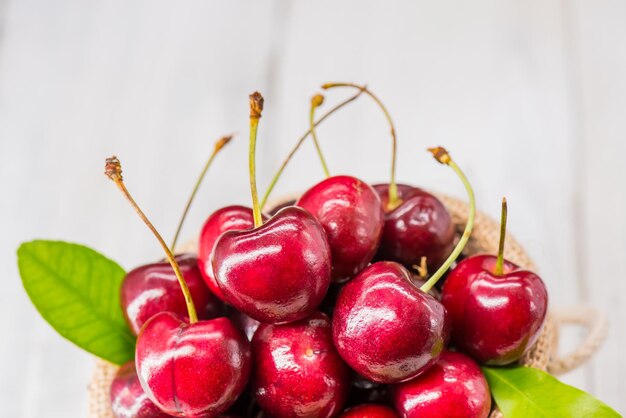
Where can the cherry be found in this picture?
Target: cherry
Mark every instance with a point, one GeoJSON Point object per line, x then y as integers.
{"type": "Point", "coordinates": [273, 210]}
{"type": "Point", "coordinates": [369, 411]}
{"type": "Point", "coordinates": [128, 400]}
{"type": "Point", "coordinates": [153, 288]}
{"type": "Point", "coordinates": [419, 226]}
{"type": "Point", "coordinates": [229, 218]}
{"type": "Point", "coordinates": [453, 388]}
{"type": "Point", "coordinates": [194, 369]}
{"type": "Point", "coordinates": [279, 271]}
{"type": "Point", "coordinates": [496, 309]}
{"type": "Point", "coordinates": [352, 216]}
{"type": "Point", "coordinates": [187, 368]}
{"type": "Point", "coordinates": [298, 372]}
{"type": "Point", "coordinates": [386, 328]}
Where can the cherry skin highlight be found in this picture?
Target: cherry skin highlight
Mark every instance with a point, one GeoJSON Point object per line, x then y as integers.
{"type": "Point", "coordinates": [278, 272]}
{"type": "Point", "coordinates": [352, 216]}
{"type": "Point", "coordinates": [494, 318]}
{"type": "Point", "coordinates": [420, 227]}
{"type": "Point", "coordinates": [369, 411]}
{"type": "Point", "coordinates": [453, 388]}
{"type": "Point", "coordinates": [229, 218]}
{"type": "Point", "coordinates": [128, 400]}
{"type": "Point", "coordinates": [153, 288]}
{"type": "Point", "coordinates": [298, 372]}
{"type": "Point", "coordinates": [196, 369]}
{"type": "Point", "coordinates": [385, 328]}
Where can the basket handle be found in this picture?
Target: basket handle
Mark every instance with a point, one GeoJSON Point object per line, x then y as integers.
{"type": "Point", "coordinates": [597, 326]}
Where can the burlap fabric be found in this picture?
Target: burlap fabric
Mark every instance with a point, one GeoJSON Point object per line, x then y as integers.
{"type": "Point", "coordinates": [543, 354]}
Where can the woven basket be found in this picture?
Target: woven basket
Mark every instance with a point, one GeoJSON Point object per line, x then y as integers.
{"type": "Point", "coordinates": [543, 355]}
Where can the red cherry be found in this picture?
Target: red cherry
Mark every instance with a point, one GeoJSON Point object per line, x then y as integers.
{"type": "Point", "coordinates": [298, 372]}
{"type": "Point", "coordinates": [154, 288]}
{"type": "Point", "coordinates": [194, 369]}
{"type": "Point", "coordinates": [128, 400]}
{"type": "Point", "coordinates": [420, 226]}
{"type": "Point", "coordinates": [278, 272]}
{"type": "Point", "coordinates": [369, 411]}
{"type": "Point", "coordinates": [229, 218]}
{"type": "Point", "coordinates": [494, 318]}
{"type": "Point", "coordinates": [453, 388]}
{"type": "Point", "coordinates": [385, 328]}
{"type": "Point", "coordinates": [352, 216]}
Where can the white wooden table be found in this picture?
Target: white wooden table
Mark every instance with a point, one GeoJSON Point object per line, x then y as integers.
{"type": "Point", "coordinates": [529, 96]}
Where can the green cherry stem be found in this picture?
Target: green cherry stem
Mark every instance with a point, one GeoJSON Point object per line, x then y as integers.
{"type": "Point", "coordinates": [316, 102]}
{"type": "Point", "coordinates": [293, 151]}
{"type": "Point", "coordinates": [394, 200]}
{"type": "Point", "coordinates": [113, 170]}
{"type": "Point", "coordinates": [443, 157]}
{"type": "Point", "coordinates": [256, 108]}
{"type": "Point", "coordinates": [500, 260]}
{"type": "Point", "coordinates": [216, 149]}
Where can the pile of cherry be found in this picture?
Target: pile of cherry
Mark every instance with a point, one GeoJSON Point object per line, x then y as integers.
{"type": "Point", "coordinates": [324, 307]}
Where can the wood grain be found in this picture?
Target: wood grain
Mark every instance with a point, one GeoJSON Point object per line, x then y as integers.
{"type": "Point", "coordinates": [528, 96]}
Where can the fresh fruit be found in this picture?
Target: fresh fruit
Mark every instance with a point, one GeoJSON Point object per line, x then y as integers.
{"type": "Point", "coordinates": [496, 309]}
{"type": "Point", "coordinates": [194, 369]}
{"type": "Point", "coordinates": [279, 271]}
{"type": "Point", "coordinates": [128, 400]}
{"type": "Point", "coordinates": [242, 321]}
{"type": "Point", "coordinates": [369, 411]}
{"type": "Point", "coordinates": [453, 388]}
{"type": "Point", "coordinates": [297, 372]}
{"type": "Point", "coordinates": [419, 226]}
{"type": "Point", "coordinates": [229, 218]}
{"type": "Point", "coordinates": [385, 328]}
{"type": "Point", "coordinates": [187, 368]}
{"type": "Point", "coordinates": [352, 216]}
{"type": "Point", "coordinates": [153, 288]}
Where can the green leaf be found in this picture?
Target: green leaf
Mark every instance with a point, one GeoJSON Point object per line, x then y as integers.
{"type": "Point", "coordinates": [77, 290]}
{"type": "Point", "coordinates": [527, 392]}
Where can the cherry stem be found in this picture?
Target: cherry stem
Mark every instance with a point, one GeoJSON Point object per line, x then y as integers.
{"type": "Point", "coordinates": [256, 108]}
{"type": "Point", "coordinates": [293, 151]}
{"type": "Point", "coordinates": [316, 102]}
{"type": "Point", "coordinates": [500, 260]}
{"type": "Point", "coordinates": [113, 170]}
{"type": "Point", "coordinates": [394, 200]}
{"type": "Point", "coordinates": [217, 148]}
{"type": "Point", "coordinates": [443, 157]}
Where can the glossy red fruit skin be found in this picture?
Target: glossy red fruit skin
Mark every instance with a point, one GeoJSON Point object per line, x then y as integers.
{"type": "Point", "coordinates": [352, 216]}
{"type": "Point", "coordinates": [229, 218]}
{"type": "Point", "coordinates": [453, 388]}
{"type": "Point", "coordinates": [153, 288]}
{"type": "Point", "coordinates": [278, 272]}
{"type": "Point", "coordinates": [494, 319]}
{"type": "Point", "coordinates": [420, 227]}
{"type": "Point", "coordinates": [385, 328]}
{"type": "Point", "coordinates": [195, 370]}
{"type": "Point", "coordinates": [369, 411]}
{"type": "Point", "coordinates": [128, 400]}
{"type": "Point", "coordinates": [298, 372]}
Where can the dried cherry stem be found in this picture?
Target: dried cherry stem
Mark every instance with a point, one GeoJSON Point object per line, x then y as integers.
{"type": "Point", "coordinates": [316, 102]}
{"type": "Point", "coordinates": [216, 149]}
{"type": "Point", "coordinates": [293, 151]}
{"type": "Point", "coordinates": [443, 157]}
{"type": "Point", "coordinates": [500, 260]}
{"type": "Point", "coordinates": [394, 200]}
{"type": "Point", "coordinates": [113, 170]}
{"type": "Point", "coordinates": [256, 108]}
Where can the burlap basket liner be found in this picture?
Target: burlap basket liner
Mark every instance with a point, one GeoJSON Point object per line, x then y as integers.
{"type": "Point", "coordinates": [543, 355]}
